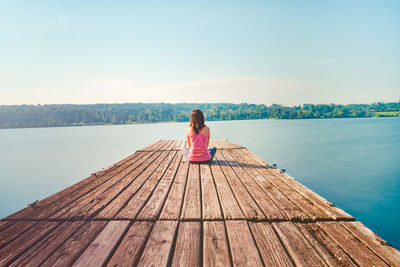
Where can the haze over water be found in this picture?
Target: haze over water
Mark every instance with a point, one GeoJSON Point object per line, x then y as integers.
{"type": "Point", "coordinates": [351, 162]}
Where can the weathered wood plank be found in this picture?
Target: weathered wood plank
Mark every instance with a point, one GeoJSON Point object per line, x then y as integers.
{"type": "Point", "coordinates": [290, 210]}
{"type": "Point", "coordinates": [45, 247]}
{"type": "Point", "coordinates": [24, 241]}
{"type": "Point", "coordinates": [139, 199]}
{"type": "Point", "coordinates": [323, 204]}
{"type": "Point", "coordinates": [13, 231]}
{"type": "Point", "coordinates": [99, 250]}
{"type": "Point", "coordinates": [179, 145]}
{"type": "Point", "coordinates": [302, 253]}
{"type": "Point", "coordinates": [158, 247]}
{"type": "Point", "coordinates": [351, 245]}
{"type": "Point", "coordinates": [230, 206]}
{"type": "Point", "coordinates": [187, 248]}
{"type": "Point", "coordinates": [102, 195]}
{"type": "Point", "coordinates": [82, 186]}
{"type": "Point", "coordinates": [245, 200]}
{"type": "Point", "coordinates": [160, 145]}
{"type": "Point", "coordinates": [271, 250]}
{"type": "Point", "coordinates": [173, 203]}
{"type": "Point", "coordinates": [172, 145]}
{"type": "Point", "coordinates": [85, 206]}
{"type": "Point", "coordinates": [152, 146]}
{"type": "Point", "coordinates": [210, 202]}
{"type": "Point", "coordinates": [331, 252]}
{"type": "Point", "coordinates": [70, 250]}
{"type": "Point", "coordinates": [243, 249]}
{"type": "Point", "coordinates": [269, 208]}
{"type": "Point", "coordinates": [302, 202]}
{"type": "Point", "coordinates": [165, 145]}
{"type": "Point", "coordinates": [5, 224]}
{"type": "Point", "coordinates": [138, 177]}
{"type": "Point", "coordinates": [153, 207]}
{"type": "Point", "coordinates": [129, 251]}
{"type": "Point", "coordinates": [390, 255]}
{"type": "Point", "coordinates": [191, 208]}
{"type": "Point", "coordinates": [215, 245]}
{"type": "Point", "coordinates": [76, 200]}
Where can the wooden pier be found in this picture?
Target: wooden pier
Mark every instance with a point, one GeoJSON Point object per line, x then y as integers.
{"type": "Point", "coordinates": [153, 209]}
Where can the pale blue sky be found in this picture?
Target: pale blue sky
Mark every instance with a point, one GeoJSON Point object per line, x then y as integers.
{"type": "Point", "coordinates": [286, 52]}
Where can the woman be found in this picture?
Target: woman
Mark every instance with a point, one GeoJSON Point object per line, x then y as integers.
{"type": "Point", "coordinates": [198, 138]}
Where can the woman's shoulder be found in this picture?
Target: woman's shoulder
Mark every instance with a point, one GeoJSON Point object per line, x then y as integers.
{"type": "Point", "coordinates": [190, 131]}
{"type": "Point", "coordinates": [205, 130]}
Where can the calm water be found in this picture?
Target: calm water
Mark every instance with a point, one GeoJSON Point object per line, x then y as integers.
{"type": "Point", "coordinates": [354, 163]}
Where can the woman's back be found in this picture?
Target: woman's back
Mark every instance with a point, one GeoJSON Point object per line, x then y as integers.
{"type": "Point", "coordinates": [199, 145]}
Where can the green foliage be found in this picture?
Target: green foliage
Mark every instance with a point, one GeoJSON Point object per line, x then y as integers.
{"type": "Point", "coordinates": [21, 116]}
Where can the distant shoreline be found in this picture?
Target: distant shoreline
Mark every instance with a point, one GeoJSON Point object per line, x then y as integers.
{"type": "Point", "coordinates": [160, 122]}
{"type": "Point", "coordinates": [67, 115]}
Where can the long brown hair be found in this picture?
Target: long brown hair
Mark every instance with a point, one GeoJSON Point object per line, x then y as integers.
{"type": "Point", "coordinates": [197, 120]}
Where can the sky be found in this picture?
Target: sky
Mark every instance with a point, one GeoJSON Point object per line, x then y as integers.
{"type": "Point", "coordinates": [263, 52]}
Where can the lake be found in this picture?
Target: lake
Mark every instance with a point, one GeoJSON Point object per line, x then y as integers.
{"type": "Point", "coordinates": [353, 163]}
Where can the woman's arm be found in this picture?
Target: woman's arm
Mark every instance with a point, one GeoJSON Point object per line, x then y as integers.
{"type": "Point", "coordinates": [209, 134]}
{"type": "Point", "coordinates": [188, 141]}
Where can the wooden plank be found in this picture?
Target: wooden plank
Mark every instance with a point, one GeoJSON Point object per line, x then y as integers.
{"type": "Point", "coordinates": [269, 208]}
{"type": "Point", "coordinates": [140, 197]}
{"type": "Point", "coordinates": [151, 146]}
{"type": "Point", "coordinates": [70, 250]}
{"type": "Point", "coordinates": [290, 210]}
{"type": "Point", "coordinates": [129, 251]}
{"type": "Point", "coordinates": [351, 245]}
{"type": "Point", "coordinates": [82, 186]}
{"type": "Point", "coordinates": [61, 206]}
{"type": "Point", "coordinates": [86, 206]}
{"type": "Point", "coordinates": [173, 203]}
{"type": "Point", "coordinates": [271, 249]}
{"type": "Point", "coordinates": [179, 145]}
{"type": "Point", "coordinates": [24, 241]}
{"type": "Point", "coordinates": [171, 145]}
{"type": "Point", "coordinates": [230, 206]}
{"type": "Point", "coordinates": [302, 202]}
{"type": "Point", "coordinates": [5, 224]}
{"type": "Point", "coordinates": [99, 250]}
{"type": "Point", "coordinates": [160, 145]}
{"type": "Point", "coordinates": [45, 247]}
{"type": "Point", "coordinates": [164, 145]}
{"type": "Point", "coordinates": [210, 202]}
{"type": "Point", "coordinates": [138, 177]}
{"type": "Point", "coordinates": [323, 204]}
{"type": "Point", "coordinates": [300, 250]}
{"type": "Point", "coordinates": [243, 249]}
{"type": "Point", "coordinates": [245, 200]}
{"type": "Point", "coordinates": [158, 247]}
{"type": "Point", "coordinates": [152, 209]}
{"type": "Point", "coordinates": [13, 231]}
{"type": "Point", "coordinates": [389, 254]}
{"type": "Point", "coordinates": [215, 245]}
{"type": "Point", "coordinates": [331, 252]}
{"type": "Point", "coordinates": [191, 208]}
{"type": "Point", "coordinates": [187, 249]}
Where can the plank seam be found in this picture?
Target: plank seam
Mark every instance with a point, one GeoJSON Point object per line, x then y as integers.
{"type": "Point", "coordinates": [244, 185]}
{"type": "Point", "coordinates": [146, 200]}
{"type": "Point", "coordinates": [126, 203]}
{"type": "Point", "coordinates": [107, 189]}
{"type": "Point", "coordinates": [29, 247]}
{"type": "Point", "coordinates": [169, 190]}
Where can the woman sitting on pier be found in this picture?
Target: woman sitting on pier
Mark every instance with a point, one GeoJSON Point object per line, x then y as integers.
{"type": "Point", "coordinates": [198, 138]}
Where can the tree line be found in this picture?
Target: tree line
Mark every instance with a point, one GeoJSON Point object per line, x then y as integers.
{"type": "Point", "coordinates": [23, 116]}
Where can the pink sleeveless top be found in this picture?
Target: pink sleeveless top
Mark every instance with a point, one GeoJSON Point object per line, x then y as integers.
{"type": "Point", "coordinates": [199, 150]}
